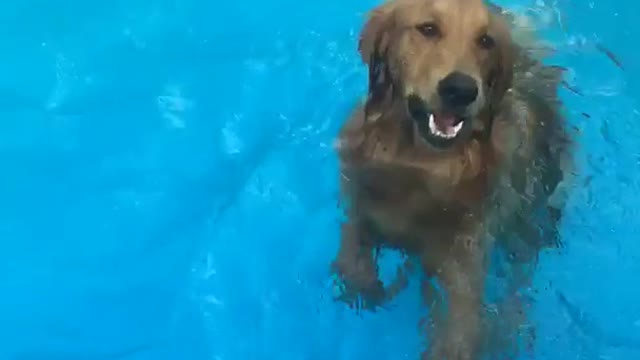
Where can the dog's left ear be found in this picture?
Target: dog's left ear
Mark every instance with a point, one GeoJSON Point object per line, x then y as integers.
{"type": "Point", "coordinates": [374, 48]}
{"type": "Point", "coordinates": [501, 77]}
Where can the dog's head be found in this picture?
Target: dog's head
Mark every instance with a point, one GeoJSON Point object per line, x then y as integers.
{"type": "Point", "coordinates": [448, 61]}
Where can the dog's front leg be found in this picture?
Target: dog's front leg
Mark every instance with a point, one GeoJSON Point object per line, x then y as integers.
{"type": "Point", "coordinates": [461, 274]}
{"type": "Point", "coordinates": [356, 267]}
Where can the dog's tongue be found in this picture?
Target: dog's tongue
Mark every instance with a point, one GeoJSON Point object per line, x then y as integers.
{"type": "Point", "coordinates": [445, 121]}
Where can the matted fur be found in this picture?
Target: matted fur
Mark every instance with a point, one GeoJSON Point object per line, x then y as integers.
{"type": "Point", "coordinates": [450, 208]}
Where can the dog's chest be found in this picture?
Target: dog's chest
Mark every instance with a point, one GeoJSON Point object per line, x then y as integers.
{"type": "Point", "coordinates": [403, 205]}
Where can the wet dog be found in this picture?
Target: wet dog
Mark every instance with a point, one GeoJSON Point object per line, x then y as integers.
{"type": "Point", "coordinates": [459, 145]}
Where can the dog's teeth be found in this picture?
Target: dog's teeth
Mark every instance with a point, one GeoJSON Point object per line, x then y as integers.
{"type": "Point", "coordinates": [456, 129]}
{"type": "Point", "coordinates": [432, 124]}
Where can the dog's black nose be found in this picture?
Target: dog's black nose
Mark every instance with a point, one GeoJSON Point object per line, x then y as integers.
{"type": "Point", "coordinates": [457, 89]}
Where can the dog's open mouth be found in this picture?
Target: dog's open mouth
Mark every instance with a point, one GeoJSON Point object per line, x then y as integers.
{"type": "Point", "coordinates": [439, 128]}
{"type": "Point", "coordinates": [446, 126]}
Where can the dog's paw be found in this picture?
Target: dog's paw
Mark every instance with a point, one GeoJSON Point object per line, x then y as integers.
{"type": "Point", "coordinates": [368, 298]}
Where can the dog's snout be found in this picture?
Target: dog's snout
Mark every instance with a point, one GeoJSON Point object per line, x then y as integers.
{"type": "Point", "coordinates": [458, 89]}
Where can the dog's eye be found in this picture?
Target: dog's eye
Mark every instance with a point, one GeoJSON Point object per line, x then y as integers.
{"type": "Point", "coordinates": [486, 42]}
{"type": "Point", "coordinates": [429, 29]}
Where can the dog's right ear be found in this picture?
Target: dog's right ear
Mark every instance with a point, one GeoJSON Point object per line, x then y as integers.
{"type": "Point", "coordinates": [372, 35]}
{"type": "Point", "coordinates": [373, 47]}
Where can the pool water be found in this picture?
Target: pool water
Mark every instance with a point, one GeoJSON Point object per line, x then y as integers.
{"type": "Point", "coordinates": [169, 184]}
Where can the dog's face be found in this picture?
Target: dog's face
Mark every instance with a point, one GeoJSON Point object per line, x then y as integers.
{"type": "Point", "coordinates": [449, 61]}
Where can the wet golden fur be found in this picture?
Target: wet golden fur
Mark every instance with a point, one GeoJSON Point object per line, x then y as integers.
{"type": "Point", "coordinates": [450, 208]}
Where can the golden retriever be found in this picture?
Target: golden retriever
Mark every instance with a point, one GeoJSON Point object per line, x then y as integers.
{"type": "Point", "coordinates": [459, 149]}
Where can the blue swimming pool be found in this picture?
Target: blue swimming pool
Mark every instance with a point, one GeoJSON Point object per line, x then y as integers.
{"type": "Point", "coordinates": [169, 187]}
